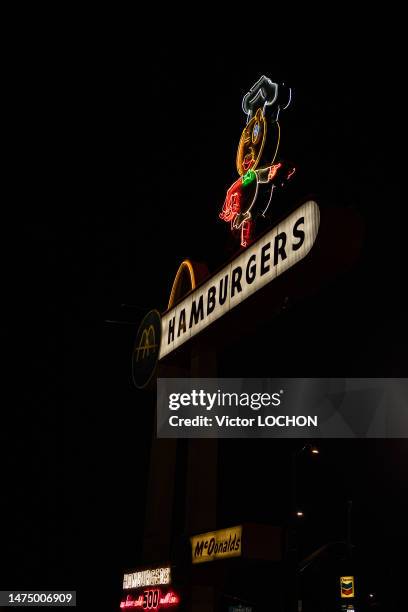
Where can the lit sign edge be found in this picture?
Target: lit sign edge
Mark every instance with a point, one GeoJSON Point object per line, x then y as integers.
{"type": "Point", "coordinates": [176, 321]}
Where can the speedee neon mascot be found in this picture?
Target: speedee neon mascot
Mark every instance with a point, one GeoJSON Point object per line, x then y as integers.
{"type": "Point", "coordinates": [259, 172]}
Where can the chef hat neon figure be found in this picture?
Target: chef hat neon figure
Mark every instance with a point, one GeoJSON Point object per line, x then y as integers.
{"type": "Point", "coordinates": [259, 171]}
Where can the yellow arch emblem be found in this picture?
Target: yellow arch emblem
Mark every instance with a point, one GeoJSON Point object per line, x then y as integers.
{"type": "Point", "coordinates": [147, 343]}
{"type": "Point", "coordinates": [185, 266]}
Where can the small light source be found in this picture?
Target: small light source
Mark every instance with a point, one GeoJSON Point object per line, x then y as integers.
{"type": "Point", "coordinates": [299, 513]}
{"type": "Point", "coordinates": [371, 595]}
{"type": "Point", "coordinates": [315, 450]}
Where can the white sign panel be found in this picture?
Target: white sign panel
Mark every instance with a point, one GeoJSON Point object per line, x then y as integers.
{"type": "Point", "coordinates": [148, 577]}
{"type": "Point", "coordinates": [277, 251]}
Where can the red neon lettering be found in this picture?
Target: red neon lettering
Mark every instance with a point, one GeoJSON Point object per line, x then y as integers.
{"type": "Point", "coordinates": [129, 602]}
{"type": "Point", "coordinates": [152, 599]}
{"type": "Point", "coordinates": [170, 599]}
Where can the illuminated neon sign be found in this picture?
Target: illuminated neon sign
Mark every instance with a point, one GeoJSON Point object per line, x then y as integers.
{"type": "Point", "coordinates": [261, 263]}
{"type": "Point", "coordinates": [347, 587]}
{"type": "Point", "coordinates": [148, 577]}
{"type": "Point", "coordinates": [151, 599]}
{"type": "Point", "coordinates": [198, 299]}
{"type": "Point", "coordinates": [219, 544]}
{"type": "Point", "coordinates": [251, 194]}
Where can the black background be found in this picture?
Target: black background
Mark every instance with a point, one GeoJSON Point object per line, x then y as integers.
{"type": "Point", "coordinates": [143, 143]}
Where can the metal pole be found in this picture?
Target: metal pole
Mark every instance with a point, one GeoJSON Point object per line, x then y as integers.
{"type": "Point", "coordinates": [293, 553]}
{"type": "Point", "coordinates": [293, 544]}
{"type": "Point", "coordinates": [349, 509]}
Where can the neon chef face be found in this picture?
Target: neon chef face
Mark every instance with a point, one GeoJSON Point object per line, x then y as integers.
{"type": "Point", "coordinates": [251, 143]}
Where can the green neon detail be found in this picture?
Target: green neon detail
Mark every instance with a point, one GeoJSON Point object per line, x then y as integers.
{"type": "Point", "coordinates": [248, 177]}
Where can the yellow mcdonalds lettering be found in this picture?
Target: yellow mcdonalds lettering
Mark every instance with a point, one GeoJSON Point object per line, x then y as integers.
{"type": "Point", "coordinates": [217, 545]}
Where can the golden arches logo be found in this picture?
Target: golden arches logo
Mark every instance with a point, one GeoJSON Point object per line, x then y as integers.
{"type": "Point", "coordinates": [146, 349]}
{"type": "Point", "coordinates": [147, 343]}
{"type": "Point", "coordinates": [185, 267]}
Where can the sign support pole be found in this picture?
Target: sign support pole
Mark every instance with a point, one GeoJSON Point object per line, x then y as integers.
{"type": "Point", "coordinates": [202, 480]}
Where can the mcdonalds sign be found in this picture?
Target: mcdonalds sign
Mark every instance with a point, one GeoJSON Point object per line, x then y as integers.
{"type": "Point", "coordinates": [220, 544]}
{"type": "Point", "coordinates": [265, 251]}
{"type": "Point", "coordinates": [261, 263]}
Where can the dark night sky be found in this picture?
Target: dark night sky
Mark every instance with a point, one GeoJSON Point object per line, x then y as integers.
{"type": "Point", "coordinates": [149, 150]}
